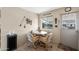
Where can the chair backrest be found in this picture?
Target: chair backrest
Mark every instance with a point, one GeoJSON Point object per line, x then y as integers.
{"type": "Point", "coordinates": [50, 37]}
{"type": "Point", "coordinates": [29, 35]}
{"type": "Point", "coordinates": [44, 39]}
{"type": "Point", "coordinates": [34, 38]}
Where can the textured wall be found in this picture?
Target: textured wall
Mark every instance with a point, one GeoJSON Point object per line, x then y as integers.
{"type": "Point", "coordinates": [57, 14]}
{"type": "Point", "coordinates": [11, 18]}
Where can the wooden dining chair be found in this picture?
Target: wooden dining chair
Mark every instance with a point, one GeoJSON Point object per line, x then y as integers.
{"type": "Point", "coordinates": [44, 39]}
{"type": "Point", "coordinates": [34, 40]}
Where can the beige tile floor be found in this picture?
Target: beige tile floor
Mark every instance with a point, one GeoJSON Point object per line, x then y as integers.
{"type": "Point", "coordinates": [27, 47]}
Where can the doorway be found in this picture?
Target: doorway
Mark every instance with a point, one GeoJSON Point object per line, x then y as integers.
{"type": "Point", "coordinates": [69, 36]}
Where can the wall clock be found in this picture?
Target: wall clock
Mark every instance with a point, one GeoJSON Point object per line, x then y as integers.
{"type": "Point", "coordinates": [67, 9]}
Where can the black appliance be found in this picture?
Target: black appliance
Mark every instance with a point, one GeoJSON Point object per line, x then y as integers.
{"type": "Point", "coordinates": [11, 42]}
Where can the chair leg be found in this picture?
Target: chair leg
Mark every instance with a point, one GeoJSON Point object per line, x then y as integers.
{"type": "Point", "coordinates": [46, 47]}
{"type": "Point", "coordinates": [34, 46]}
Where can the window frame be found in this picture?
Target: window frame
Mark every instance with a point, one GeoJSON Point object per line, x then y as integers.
{"type": "Point", "coordinates": [51, 20]}
{"type": "Point", "coordinates": [74, 22]}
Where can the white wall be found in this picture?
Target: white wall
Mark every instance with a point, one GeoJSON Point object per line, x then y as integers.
{"type": "Point", "coordinates": [57, 14]}
{"type": "Point", "coordinates": [11, 18]}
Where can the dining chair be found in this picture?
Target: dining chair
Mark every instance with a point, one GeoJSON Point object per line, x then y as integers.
{"type": "Point", "coordinates": [35, 38]}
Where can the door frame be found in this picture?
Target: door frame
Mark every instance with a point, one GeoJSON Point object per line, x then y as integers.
{"type": "Point", "coordinates": [61, 25]}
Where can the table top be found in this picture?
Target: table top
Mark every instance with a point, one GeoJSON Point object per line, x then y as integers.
{"type": "Point", "coordinates": [40, 33]}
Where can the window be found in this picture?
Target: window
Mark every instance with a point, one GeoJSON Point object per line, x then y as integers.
{"type": "Point", "coordinates": [47, 22]}
{"type": "Point", "coordinates": [69, 21]}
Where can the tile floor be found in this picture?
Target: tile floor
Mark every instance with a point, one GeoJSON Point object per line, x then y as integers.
{"type": "Point", "coordinates": [29, 47]}
{"type": "Point", "coordinates": [55, 47]}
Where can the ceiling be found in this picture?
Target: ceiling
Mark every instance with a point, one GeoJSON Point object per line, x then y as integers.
{"type": "Point", "coordinates": [39, 9]}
